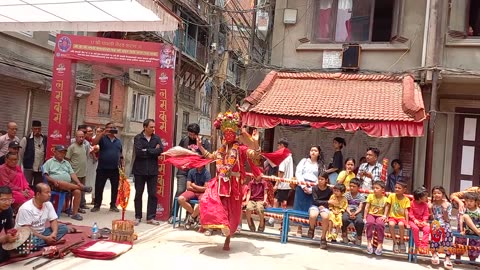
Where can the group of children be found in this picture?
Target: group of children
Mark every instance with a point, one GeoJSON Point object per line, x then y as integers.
{"type": "Point", "coordinates": [343, 208]}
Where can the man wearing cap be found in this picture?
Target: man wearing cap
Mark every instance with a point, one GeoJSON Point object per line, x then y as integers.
{"type": "Point", "coordinates": [60, 176]}
{"type": "Point", "coordinates": [6, 139]}
{"type": "Point", "coordinates": [13, 147]}
{"type": "Point", "coordinates": [32, 153]}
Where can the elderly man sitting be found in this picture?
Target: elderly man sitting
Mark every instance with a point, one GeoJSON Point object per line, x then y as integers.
{"type": "Point", "coordinates": [35, 213]}
{"type": "Point", "coordinates": [60, 176]}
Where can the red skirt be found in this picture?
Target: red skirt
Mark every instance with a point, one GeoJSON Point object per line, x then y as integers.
{"type": "Point", "coordinates": [221, 212]}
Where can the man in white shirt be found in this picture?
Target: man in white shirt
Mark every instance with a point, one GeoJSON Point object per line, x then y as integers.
{"type": "Point", "coordinates": [35, 213]}
{"type": "Point", "coordinates": [285, 170]}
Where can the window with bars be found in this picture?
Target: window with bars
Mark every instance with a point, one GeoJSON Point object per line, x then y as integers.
{"type": "Point", "coordinates": [188, 94]}
{"type": "Point", "coordinates": [105, 99]}
{"type": "Point", "coordinates": [140, 105]}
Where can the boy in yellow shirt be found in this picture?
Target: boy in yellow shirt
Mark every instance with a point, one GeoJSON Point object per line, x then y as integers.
{"type": "Point", "coordinates": [397, 209]}
{"type": "Point", "coordinates": [337, 205]}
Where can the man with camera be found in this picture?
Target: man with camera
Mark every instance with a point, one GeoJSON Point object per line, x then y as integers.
{"type": "Point", "coordinates": [109, 159]}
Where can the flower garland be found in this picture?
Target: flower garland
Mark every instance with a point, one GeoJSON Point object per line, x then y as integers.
{"type": "Point", "coordinates": [224, 167]}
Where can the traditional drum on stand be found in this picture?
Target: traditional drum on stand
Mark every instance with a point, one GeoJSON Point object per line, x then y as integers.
{"type": "Point", "coordinates": [23, 245]}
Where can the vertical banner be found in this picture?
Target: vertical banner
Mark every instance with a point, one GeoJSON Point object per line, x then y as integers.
{"type": "Point", "coordinates": [164, 126]}
{"type": "Point", "coordinates": [63, 87]}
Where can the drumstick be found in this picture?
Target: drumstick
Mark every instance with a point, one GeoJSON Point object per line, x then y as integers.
{"type": "Point", "coordinates": [60, 254]}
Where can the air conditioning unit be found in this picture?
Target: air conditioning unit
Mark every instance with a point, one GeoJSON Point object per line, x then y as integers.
{"type": "Point", "coordinates": [351, 56]}
{"type": "Point", "coordinates": [145, 72]}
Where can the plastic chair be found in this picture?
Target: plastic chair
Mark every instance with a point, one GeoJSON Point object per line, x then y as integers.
{"type": "Point", "coordinates": [61, 195]}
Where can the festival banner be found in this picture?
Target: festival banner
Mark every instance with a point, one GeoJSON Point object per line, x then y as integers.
{"type": "Point", "coordinates": [106, 50]}
{"type": "Point", "coordinates": [61, 99]}
{"type": "Point", "coordinates": [164, 126]}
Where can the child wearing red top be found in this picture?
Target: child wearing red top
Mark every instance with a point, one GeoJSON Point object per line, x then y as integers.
{"type": "Point", "coordinates": [419, 214]}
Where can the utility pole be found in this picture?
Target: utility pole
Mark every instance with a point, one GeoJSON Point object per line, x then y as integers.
{"type": "Point", "coordinates": [254, 28]}
{"type": "Point", "coordinates": [215, 60]}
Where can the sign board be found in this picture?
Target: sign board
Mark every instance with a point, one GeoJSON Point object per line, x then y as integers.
{"type": "Point", "coordinates": [332, 59]}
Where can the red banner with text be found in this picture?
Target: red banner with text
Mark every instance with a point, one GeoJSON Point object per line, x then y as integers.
{"type": "Point", "coordinates": [61, 101]}
{"type": "Point", "coordinates": [164, 123]}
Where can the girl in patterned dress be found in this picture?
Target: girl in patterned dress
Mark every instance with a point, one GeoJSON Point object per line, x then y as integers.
{"type": "Point", "coordinates": [441, 231]}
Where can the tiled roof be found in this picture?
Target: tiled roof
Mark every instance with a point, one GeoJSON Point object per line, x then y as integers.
{"type": "Point", "coordinates": [338, 96]}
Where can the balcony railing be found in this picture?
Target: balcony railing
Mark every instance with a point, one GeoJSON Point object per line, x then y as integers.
{"type": "Point", "coordinates": [192, 48]}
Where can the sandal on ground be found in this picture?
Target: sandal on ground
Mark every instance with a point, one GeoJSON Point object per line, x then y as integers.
{"type": "Point", "coordinates": [396, 248]}
{"type": "Point", "coordinates": [311, 233]}
{"type": "Point", "coordinates": [447, 264]}
{"type": "Point", "coordinates": [323, 243]}
{"type": "Point", "coordinates": [369, 250]}
{"type": "Point", "coordinates": [344, 238]}
{"type": "Point", "coordinates": [251, 226]}
{"type": "Point", "coordinates": [208, 233]}
{"type": "Point", "coordinates": [153, 222]}
{"type": "Point", "coordinates": [77, 217]}
{"type": "Point", "coordinates": [261, 228]}
{"type": "Point", "coordinates": [435, 259]}
{"type": "Point", "coordinates": [378, 251]}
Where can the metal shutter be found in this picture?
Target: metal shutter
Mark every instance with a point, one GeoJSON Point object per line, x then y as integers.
{"type": "Point", "coordinates": [41, 108]}
{"type": "Point", "coordinates": [13, 106]}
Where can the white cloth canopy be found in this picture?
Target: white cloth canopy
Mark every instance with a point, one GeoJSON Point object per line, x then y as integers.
{"type": "Point", "coordinates": [86, 15]}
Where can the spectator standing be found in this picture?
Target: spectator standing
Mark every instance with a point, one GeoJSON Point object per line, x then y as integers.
{"type": "Point", "coordinates": [32, 153]}
{"type": "Point", "coordinates": [147, 147]}
{"type": "Point", "coordinates": [395, 176]}
{"type": "Point", "coordinates": [285, 170]}
{"type": "Point", "coordinates": [77, 156]}
{"type": "Point", "coordinates": [336, 163]}
{"type": "Point", "coordinates": [109, 159]}
{"type": "Point", "coordinates": [6, 139]}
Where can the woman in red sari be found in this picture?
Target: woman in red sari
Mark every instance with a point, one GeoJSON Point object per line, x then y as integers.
{"type": "Point", "coordinates": [11, 175]}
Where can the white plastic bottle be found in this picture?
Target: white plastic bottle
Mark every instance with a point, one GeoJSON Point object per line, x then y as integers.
{"type": "Point", "coordinates": [95, 234]}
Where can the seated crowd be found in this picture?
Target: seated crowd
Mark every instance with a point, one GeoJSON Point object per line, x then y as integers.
{"type": "Point", "coordinates": [341, 204]}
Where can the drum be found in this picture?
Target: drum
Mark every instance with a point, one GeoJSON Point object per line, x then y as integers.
{"type": "Point", "coordinates": [24, 244]}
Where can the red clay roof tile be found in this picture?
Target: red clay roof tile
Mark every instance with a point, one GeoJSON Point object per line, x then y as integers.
{"type": "Point", "coordinates": [339, 96]}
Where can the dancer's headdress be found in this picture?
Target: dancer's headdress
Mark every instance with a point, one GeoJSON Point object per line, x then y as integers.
{"type": "Point", "coordinates": [227, 120]}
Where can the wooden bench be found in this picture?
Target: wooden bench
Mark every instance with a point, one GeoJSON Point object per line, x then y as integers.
{"type": "Point", "coordinates": [276, 213]}
{"type": "Point", "coordinates": [454, 248]}
{"type": "Point", "coordinates": [303, 217]}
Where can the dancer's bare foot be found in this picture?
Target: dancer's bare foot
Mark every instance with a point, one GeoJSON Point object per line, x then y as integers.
{"type": "Point", "coordinates": [226, 245]}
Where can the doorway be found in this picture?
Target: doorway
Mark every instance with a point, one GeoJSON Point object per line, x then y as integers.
{"type": "Point", "coordinates": [466, 150]}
